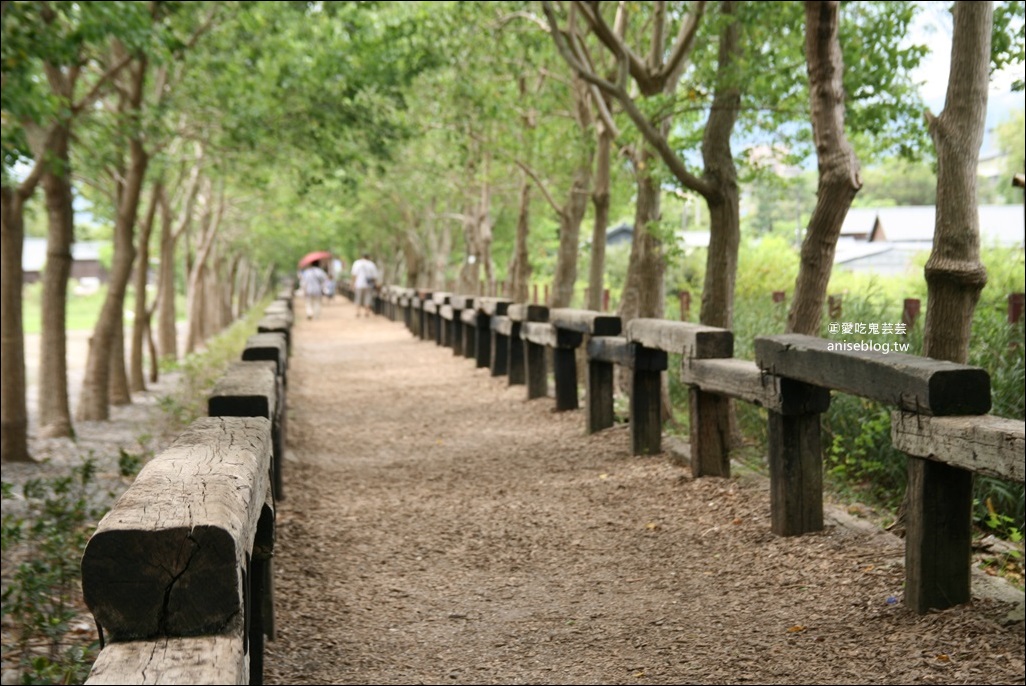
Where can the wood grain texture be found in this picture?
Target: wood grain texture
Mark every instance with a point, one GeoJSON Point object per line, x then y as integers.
{"type": "Point", "coordinates": [989, 445]}
{"type": "Point", "coordinates": [744, 380]}
{"type": "Point", "coordinates": [586, 321]}
{"type": "Point", "coordinates": [167, 559]}
{"type": "Point", "coordinates": [916, 384]}
{"type": "Point", "coordinates": [195, 660]}
{"type": "Point", "coordinates": [267, 346]}
{"type": "Point", "coordinates": [691, 340]}
{"type": "Point", "coordinates": [246, 389]}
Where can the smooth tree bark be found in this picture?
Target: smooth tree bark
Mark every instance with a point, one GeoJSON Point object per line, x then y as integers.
{"type": "Point", "coordinates": [170, 232]}
{"type": "Point", "coordinates": [954, 277]}
{"type": "Point", "coordinates": [441, 248]}
{"type": "Point", "coordinates": [520, 264]}
{"type": "Point", "coordinates": [13, 382]}
{"type": "Point", "coordinates": [477, 226]}
{"type": "Point", "coordinates": [141, 318]}
{"type": "Point", "coordinates": [839, 179]}
{"type": "Point", "coordinates": [519, 268]}
{"type": "Point", "coordinates": [643, 292]}
{"type": "Point", "coordinates": [659, 73]}
{"type": "Point", "coordinates": [600, 201]}
{"type": "Point", "coordinates": [106, 360]}
{"type": "Point", "coordinates": [718, 184]}
{"type": "Point", "coordinates": [54, 407]}
{"type": "Point", "coordinates": [954, 273]}
{"type": "Point", "coordinates": [63, 80]}
{"type": "Point", "coordinates": [572, 212]}
{"type": "Point", "coordinates": [210, 222]}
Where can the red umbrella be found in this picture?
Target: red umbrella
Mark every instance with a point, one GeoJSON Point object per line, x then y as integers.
{"type": "Point", "coordinates": [314, 257]}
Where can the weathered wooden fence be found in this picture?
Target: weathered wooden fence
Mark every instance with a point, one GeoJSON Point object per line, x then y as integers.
{"type": "Point", "coordinates": [179, 573]}
{"type": "Point", "coordinates": [940, 418]}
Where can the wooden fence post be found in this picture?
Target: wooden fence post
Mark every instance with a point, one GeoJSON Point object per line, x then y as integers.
{"type": "Point", "coordinates": [527, 360]}
{"type": "Point", "coordinates": [482, 333]}
{"type": "Point", "coordinates": [796, 459]}
{"type": "Point", "coordinates": [910, 313]}
{"type": "Point", "coordinates": [938, 535]}
{"type": "Point", "coordinates": [603, 352]}
{"type": "Point", "coordinates": [835, 308]}
{"type": "Point", "coordinates": [571, 326]}
{"type": "Point", "coordinates": [1016, 303]}
{"type": "Point", "coordinates": [646, 400]}
{"type": "Point", "coordinates": [685, 305]}
{"type": "Point", "coordinates": [536, 369]}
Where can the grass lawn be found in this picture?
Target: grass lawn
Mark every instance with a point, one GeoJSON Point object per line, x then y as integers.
{"type": "Point", "coordinates": [83, 310]}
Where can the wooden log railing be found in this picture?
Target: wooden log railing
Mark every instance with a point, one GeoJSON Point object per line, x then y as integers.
{"type": "Point", "coordinates": [179, 574]}
{"type": "Point", "coordinates": [940, 420]}
{"type": "Point", "coordinates": [571, 326]}
{"type": "Point", "coordinates": [270, 347]}
{"type": "Point", "coordinates": [489, 310]}
{"type": "Point", "coordinates": [516, 316]}
{"type": "Point", "coordinates": [437, 324]}
{"type": "Point", "coordinates": [938, 513]}
{"type": "Point", "coordinates": [168, 574]}
{"type": "Point", "coordinates": [536, 337]}
{"type": "Point", "coordinates": [468, 333]}
{"type": "Point", "coordinates": [277, 323]}
{"type": "Point", "coordinates": [448, 316]}
{"type": "Point", "coordinates": [457, 338]}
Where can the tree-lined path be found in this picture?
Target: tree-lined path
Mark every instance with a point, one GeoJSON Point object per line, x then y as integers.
{"type": "Point", "coordinates": [440, 528]}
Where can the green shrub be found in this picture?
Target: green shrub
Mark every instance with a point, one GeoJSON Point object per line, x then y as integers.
{"type": "Point", "coordinates": [859, 460]}
{"type": "Point", "coordinates": [41, 595]}
{"type": "Point", "coordinates": [201, 370]}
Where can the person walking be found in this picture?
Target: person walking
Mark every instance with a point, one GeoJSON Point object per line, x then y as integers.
{"type": "Point", "coordinates": [365, 280]}
{"type": "Point", "coordinates": [312, 280]}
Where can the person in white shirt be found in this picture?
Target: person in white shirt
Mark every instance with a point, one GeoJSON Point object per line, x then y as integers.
{"type": "Point", "coordinates": [312, 280]}
{"type": "Point", "coordinates": [365, 279]}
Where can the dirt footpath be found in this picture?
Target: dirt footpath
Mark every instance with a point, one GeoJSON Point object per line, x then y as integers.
{"type": "Point", "coordinates": [439, 528]}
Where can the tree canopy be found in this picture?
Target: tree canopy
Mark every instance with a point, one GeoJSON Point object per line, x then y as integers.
{"type": "Point", "coordinates": [460, 142]}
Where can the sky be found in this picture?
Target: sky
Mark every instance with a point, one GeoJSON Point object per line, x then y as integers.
{"type": "Point", "coordinates": [933, 27]}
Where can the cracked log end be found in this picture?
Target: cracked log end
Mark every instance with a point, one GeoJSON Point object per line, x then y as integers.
{"type": "Point", "coordinates": [174, 582]}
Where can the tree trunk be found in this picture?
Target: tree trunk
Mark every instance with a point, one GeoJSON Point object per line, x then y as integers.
{"type": "Point", "coordinates": [13, 408]}
{"type": "Point", "coordinates": [954, 277]}
{"type": "Point", "coordinates": [478, 235]}
{"type": "Point", "coordinates": [197, 275]}
{"type": "Point", "coordinates": [117, 388]}
{"type": "Point", "coordinates": [141, 320]}
{"type": "Point", "coordinates": [470, 269]}
{"type": "Point", "coordinates": [520, 267]}
{"type": "Point", "coordinates": [54, 408]}
{"type": "Point", "coordinates": [643, 292]}
{"type": "Point", "coordinates": [169, 235]}
{"type": "Point", "coordinates": [720, 172]}
{"type": "Point", "coordinates": [570, 219]}
{"type": "Point", "coordinates": [242, 303]}
{"type": "Point", "coordinates": [167, 331]}
{"type": "Point", "coordinates": [263, 283]}
{"type": "Point", "coordinates": [220, 285]}
{"type": "Point", "coordinates": [442, 249]}
{"type": "Point", "coordinates": [838, 167]}
{"type": "Point", "coordinates": [106, 361]}
{"type": "Point", "coordinates": [954, 274]}
{"type": "Point", "coordinates": [231, 297]}
{"type": "Point", "coordinates": [576, 204]}
{"type": "Point", "coordinates": [413, 255]}
{"type": "Point", "coordinates": [600, 200]}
